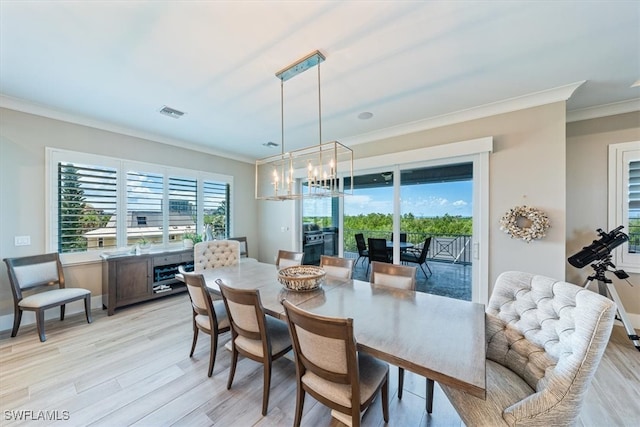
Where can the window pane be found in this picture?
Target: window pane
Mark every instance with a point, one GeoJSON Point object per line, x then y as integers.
{"type": "Point", "coordinates": [183, 202]}
{"type": "Point", "coordinates": [86, 207]}
{"type": "Point", "coordinates": [634, 206]}
{"type": "Point", "coordinates": [144, 207]}
{"type": "Point", "coordinates": [215, 205]}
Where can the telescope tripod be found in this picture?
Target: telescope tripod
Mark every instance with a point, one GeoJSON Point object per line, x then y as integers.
{"type": "Point", "coordinates": [606, 288]}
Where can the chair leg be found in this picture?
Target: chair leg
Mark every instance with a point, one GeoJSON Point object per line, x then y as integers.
{"type": "Point", "coordinates": [428, 268]}
{"type": "Point", "coordinates": [234, 362]}
{"type": "Point", "coordinates": [267, 385]}
{"type": "Point", "coordinates": [40, 325]}
{"type": "Point", "coordinates": [62, 308]}
{"type": "Point", "coordinates": [400, 382]}
{"type": "Point", "coordinates": [425, 273]}
{"type": "Point", "coordinates": [87, 308]}
{"type": "Point", "coordinates": [17, 318]}
{"type": "Point", "coordinates": [385, 400]}
{"type": "Point", "coordinates": [299, 405]}
{"type": "Point", "coordinates": [195, 339]}
{"type": "Point", "coordinates": [429, 395]}
{"type": "Point", "coordinates": [213, 351]}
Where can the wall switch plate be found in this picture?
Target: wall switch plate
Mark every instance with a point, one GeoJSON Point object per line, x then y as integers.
{"type": "Point", "coordinates": [22, 240]}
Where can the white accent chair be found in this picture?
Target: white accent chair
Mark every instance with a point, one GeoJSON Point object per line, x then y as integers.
{"type": "Point", "coordinates": [215, 253]}
{"type": "Point", "coordinates": [44, 273]}
{"type": "Point", "coordinates": [545, 339]}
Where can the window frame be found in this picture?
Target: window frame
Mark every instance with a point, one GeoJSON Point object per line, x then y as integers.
{"type": "Point", "coordinates": [55, 155]}
{"type": "Point", "coordinates": [620, 155]}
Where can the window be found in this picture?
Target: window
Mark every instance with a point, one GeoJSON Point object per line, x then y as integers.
{"type": "Point", "coordinates": [624, 202]}
{"type": "Point", "coordinates": [98, 203]}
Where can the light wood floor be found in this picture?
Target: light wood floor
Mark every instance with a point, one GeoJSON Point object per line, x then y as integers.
{"type": "Point", "coordinates": [133, 368]}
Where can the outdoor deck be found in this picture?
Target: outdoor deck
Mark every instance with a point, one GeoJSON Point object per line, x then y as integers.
{"type": "Point", "coordinates": [448, 279]}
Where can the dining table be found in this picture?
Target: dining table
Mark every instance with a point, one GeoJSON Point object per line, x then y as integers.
{"type": "Point", "coordinates": [440, 338]}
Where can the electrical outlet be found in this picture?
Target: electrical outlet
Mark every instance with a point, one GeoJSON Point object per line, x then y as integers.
{"type": "Point", "coordinates": [22, 240]}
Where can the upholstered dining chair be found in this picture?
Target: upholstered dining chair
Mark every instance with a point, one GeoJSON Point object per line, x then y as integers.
{"type": "Point", "coordinates": [289, 259]}
{"type": "Point", "coordinates": [362, 247]}
{"type": "Point", "coordinates": [545, 339]}
{"type": "Point", "coordinates": [244, 246]}
{"type": "Point", "coordinates": [215, 253]}
{"type": "Point", "coordinates": [329, 368]}
{"type": "Point", "coordinates": [377, 251]}
{"type": "Point", "coordinates": [43, 275]}
{"type": "Point", "coordinates": [397, 277]}
{"type": "Point", "coordinates": [255, 336]}
{"type": "Point", "coordinates": [337, 267]}
{"type": "Point", "coordinates": [418, 258]}
{"type": "Point", "coordinates": [208, 317]}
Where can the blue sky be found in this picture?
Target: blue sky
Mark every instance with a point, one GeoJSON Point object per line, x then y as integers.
{"type": "Point", "coordinates": [453, 198]}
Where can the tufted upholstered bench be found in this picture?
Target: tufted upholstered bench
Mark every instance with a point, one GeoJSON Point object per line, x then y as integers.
{"type": "Point", "coordinates": [545, 339]}
{"type": "Point", "coordinates": [215, 253]}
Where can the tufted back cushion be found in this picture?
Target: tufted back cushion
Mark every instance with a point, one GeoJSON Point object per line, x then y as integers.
{"type": "Point", "coordinates": [552, 334]}
{"type": "Point", "coordinates": [215, 253]}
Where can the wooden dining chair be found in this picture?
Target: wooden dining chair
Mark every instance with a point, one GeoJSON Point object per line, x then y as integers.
{"type": "Point", "coordinates": [41, 273]}
{"type": "Point", "coordinates": [362, 247]}
{"type": "Point", "coordinates": [418, 258]}
{"type": "Point", "coordinates": [244, 246]}
{"type": "Point", "coordinates": [337, 267]}
{"type": "Point", "coordinates": [396, 277]}
{"type": "Point", "coordinates": [289, 259]}
{"type": "Point", "coordinates": [378, 251]}
{"type": "Point", "coordinates": [208, 316]}
{"type": "Point", "coordinates": [329, 368]}
{"type": "Point", "coordinates": [254, 335]}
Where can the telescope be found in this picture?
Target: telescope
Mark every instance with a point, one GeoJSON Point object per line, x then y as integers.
{"type": "Point", "coordinates": [599, 249]}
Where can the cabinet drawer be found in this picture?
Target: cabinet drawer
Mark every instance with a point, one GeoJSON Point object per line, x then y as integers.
{"type": "Point", "coordinates": [187, 257]}
{"type": "Point", "coordinates": [167, 259]}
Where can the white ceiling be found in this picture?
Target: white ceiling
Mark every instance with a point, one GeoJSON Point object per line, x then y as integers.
{"type": "Point", "coordinates": [114, 64]}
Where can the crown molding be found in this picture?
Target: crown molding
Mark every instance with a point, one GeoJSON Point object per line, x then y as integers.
{"type": "Point", "coordinates": [536, 99]}
{"type": "Point", "coordinates": [52, 113]}
{"type": "Point", "coordinates": [604, 110]}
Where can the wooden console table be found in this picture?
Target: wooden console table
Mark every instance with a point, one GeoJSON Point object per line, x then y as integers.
{"type": "Point", "coordinates": [129, 279]}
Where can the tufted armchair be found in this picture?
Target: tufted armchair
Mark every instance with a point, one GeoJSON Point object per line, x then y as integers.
{"type": "Point", "coordinates": [215, 253]}
{"type": "Point", "coordinates": [545, 339]}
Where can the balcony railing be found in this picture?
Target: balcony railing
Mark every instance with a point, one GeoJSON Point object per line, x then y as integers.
{"type": "Point", "coordinates": [451, 248]}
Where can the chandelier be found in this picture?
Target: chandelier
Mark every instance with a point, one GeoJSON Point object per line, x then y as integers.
{"type": "Point", "coordinates": [315, 171]}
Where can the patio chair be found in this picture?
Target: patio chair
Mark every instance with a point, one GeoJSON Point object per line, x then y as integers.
{"type": "Point", "coordinates": [378, 251]}
{"type": "Point", "coordinates": [420, 259]}
{"type": "Point", "coordinates": [362, 247]}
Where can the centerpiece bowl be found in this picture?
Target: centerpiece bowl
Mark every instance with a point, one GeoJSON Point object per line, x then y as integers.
{"type": "Point", "coordinates": [301, 277]}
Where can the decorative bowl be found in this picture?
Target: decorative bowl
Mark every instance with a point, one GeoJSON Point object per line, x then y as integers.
{"type": "Point", "coordinates": [301, 277]}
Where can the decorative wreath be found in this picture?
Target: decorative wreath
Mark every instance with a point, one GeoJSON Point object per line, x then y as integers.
{"type": "Point", "coordinates": [539, 222]}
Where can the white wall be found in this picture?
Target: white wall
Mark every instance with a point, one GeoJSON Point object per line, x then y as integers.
{"type": "Point", "coordinates": [528, 166]}
{"type": "Point", "coordinates": [23, 138]}
{"type": "Point", "coordinates": [587, 197]}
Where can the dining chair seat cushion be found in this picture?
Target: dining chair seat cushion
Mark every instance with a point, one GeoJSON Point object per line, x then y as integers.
{"type": "Point", "coordinates": [393, 281]}
{"type": "Point", "coordinates": [278, 333]}
{"type": "Point", "coordinates": [336, 271]}
{"type": "Point", "coordinates": [221, 315]}
{"type": "Point", "coordinates": [52, 297]}
{"type": "Point", "coordinates": [504, 388]}
{"type": "Point", "coordinates": [371, 370]}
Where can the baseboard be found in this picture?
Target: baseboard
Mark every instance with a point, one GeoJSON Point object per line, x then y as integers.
{"type": "Point", "coordinates": [29, 318]}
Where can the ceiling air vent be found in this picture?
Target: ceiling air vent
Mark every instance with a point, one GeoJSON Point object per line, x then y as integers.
{"type": "Point", "coordinates": [171, 112]}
